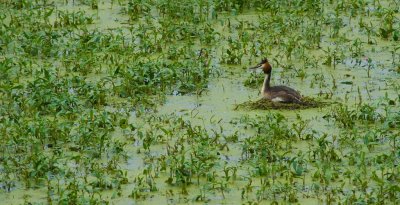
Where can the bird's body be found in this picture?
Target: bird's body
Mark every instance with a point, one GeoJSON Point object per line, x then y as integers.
{"type": "Point", "coordinates": [282, 94]}
{"type": "Point", "coordinates": [276, 93]}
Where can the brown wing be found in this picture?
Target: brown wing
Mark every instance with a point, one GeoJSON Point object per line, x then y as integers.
{"type": "Point", "coordinates": [285, 89]}
{"type": "Point", "coordinates": [286, 94]}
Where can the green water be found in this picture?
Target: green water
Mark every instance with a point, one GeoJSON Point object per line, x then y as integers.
{"type": "Point", "coordinates": [209, 112]}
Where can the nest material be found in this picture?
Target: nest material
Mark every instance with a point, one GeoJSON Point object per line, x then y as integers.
{"type": "Point", "coordinates": [264, 104]}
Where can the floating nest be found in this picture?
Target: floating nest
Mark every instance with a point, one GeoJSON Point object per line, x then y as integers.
{"type": "Point", "coordinates": [264, 104]}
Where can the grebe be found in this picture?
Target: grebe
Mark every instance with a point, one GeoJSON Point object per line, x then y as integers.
{"type": "Point", "coordinates": [276, 93]}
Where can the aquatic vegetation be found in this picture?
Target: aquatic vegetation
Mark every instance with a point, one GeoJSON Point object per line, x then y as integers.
{"type": "Point", "coordinates": [264, 104]}
{"type": "Point", "coordinates": [130, 101]}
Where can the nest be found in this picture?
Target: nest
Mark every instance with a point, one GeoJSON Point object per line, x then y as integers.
{"type": "Point", "coordinates": [264, 104]}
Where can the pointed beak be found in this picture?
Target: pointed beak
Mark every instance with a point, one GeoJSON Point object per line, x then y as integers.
{"type": "Point", "coordinates": [256, 67]}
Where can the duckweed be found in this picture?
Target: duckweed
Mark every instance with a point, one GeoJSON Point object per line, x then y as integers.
{"type": "Point", "coordinates": [133, 101]}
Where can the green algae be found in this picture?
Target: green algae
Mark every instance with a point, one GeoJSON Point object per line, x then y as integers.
{"type": "Point", "coordinates": [155, 146]}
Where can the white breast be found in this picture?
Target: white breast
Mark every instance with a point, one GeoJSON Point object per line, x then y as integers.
{"type": "Point", "coordinates": [277, 99]}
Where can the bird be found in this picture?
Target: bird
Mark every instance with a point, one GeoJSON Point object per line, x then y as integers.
{"type": "Point", "coordinates": [279, 93]}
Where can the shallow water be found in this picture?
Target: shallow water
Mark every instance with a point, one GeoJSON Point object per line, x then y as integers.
{"type": "Point", "coordinates": [214, 109]}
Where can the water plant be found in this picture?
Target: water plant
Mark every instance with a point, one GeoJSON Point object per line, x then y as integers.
{"type": "Point", "coordinates": [87, 85]}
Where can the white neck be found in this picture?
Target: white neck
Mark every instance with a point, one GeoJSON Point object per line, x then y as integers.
{"type": "Point", "coordinates": [264, 84]}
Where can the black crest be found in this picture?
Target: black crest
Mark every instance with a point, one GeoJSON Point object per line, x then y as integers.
{"type": "Point", "coordinates": [264, 60]}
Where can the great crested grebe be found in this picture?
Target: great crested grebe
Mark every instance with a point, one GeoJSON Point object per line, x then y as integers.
{"type": "Point", "coordinates": [276, 93]}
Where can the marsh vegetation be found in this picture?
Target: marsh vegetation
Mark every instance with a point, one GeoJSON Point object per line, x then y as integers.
{"type": "Point", "coordinates": [133, 101]}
